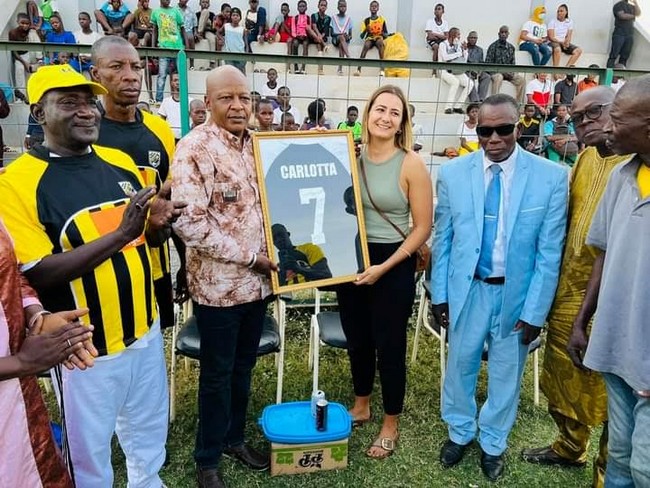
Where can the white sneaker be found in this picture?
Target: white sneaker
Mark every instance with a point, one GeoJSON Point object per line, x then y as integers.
{"type": "Point", "coordinates": [381, 72]}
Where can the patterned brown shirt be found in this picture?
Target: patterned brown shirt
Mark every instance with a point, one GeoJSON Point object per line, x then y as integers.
{"type": "Point", "coordinates": [222, 225]}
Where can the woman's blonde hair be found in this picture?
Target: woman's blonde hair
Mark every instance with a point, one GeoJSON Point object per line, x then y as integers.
{"type": "Point", "coordinates": [404, 136]}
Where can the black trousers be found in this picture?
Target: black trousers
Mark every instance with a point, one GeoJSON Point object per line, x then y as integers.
{"type": "Point", "coordinates": [374, 320]}
{"type": "Point", "coordinates": [621, 49]}
{"type": "Point", "coordinates": [230, 337]}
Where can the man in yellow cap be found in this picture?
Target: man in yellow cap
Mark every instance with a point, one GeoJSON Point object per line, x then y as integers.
{"type": "Point", "coordinates": [83, 223]}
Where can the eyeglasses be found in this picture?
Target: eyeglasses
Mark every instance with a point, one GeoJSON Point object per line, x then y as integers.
{"type": "Point", "coordinates": [501, 130]}
{"type": "Point", "coordinates": [592, 113]}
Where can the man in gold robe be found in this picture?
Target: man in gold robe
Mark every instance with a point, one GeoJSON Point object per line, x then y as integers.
{"type": "Point", "coordinates": [577, 399]}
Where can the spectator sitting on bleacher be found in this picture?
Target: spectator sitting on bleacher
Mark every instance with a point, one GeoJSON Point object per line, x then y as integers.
{"type": "Point", "coordinates": [47, 8]}
{"type": "Point", "coordinates": [58, 35]}
{"type": "Point", "coordinates": [300, 27]}
{"type": "Point", "coordinates": [264, 116]}
{"type": "Point", "coordinates": [560, 33]}
{"type": "Point", "coordinates": [481, 79]}
{"type": "Point", "coordinates": [321, 25]}
{"type": "Point", "coordinates": [342, 32]}
{"type": "Point", "coordinates": [561, 141]}
{"type": "Point", "coordinates": [528, 128]}
{"type": "Point", "coordinates": [534, 38]}
{"type": "Point", "coordinates": [352, 123]}
{"type": "Point", "coordinates": [255, 24]}
{"type": "Point", "coordinates": [139, 24]}
{"type": "Point", "coordinates": [315, 116]}
{"type": "Point", "coordinates": [502, 52]}
{"type": "Point", "coordinates": [282, 24]}
{"type": "Point", "coordinates": [205, 27]}
{"type": "Point", "coordinates": [452, 50]}
{"type": "Point", "coordinates": [590, 80]}
{"type": "Point", "coordinates": [235, 39]}
{"type": "Point", "coordinates": [538, 92]}
{"type": "Point", "coordinates": [565, 91]}
{"type": "Point", "coordinates": [282, 27]}
{"type": "Point", "coordinates": [284, 101]}
{"type": "Point", "coordinates": [467, 131]}
{"type": "Point", "coordinates": [287, 122]}
{"type": "Point", "coordinates": [85, 36]}
{"type": "Point", "coordinates": [436, 30]}
{"type": "Point", "coordinates": [20, 59]}
{"type": "Point", "coordinates": [220, 20]}
{"type": "Point", "coordinates": [112, 16]}
{"type": "Point", "coordinates": [373, 32]}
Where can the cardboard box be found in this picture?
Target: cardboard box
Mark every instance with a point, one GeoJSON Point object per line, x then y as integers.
{"type": "Point", "coordinates": [308, 458]}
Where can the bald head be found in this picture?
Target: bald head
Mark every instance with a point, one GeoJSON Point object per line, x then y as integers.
{"type": "Point", "coordinates": [229, 99]}
{"type": "Point", "coordinates": [639, 88]}
{"type": "Point", "coordinates": [223, 76]}
{"type": "Point", "coordinates": [590, 114]}
{"type": "Point", "coordinates": [598, 94]}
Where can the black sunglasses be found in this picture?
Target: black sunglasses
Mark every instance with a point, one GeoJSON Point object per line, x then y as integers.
{"type": "Point", "coordinates": [501, 130]}
{"type": "Point", "coordinates": [592, 113]}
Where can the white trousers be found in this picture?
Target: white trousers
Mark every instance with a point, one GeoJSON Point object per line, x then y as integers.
{"type": "Point", "coordinates": [456, 98]}
{"type": "Point", "coordinates": [126, 394]}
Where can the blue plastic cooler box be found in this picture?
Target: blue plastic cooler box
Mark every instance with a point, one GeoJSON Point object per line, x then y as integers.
{"type": "Point", "coordinates": [293, 423]}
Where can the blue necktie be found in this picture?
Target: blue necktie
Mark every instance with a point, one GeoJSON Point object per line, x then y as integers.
{"type": "Point", "coordinates": [490, 223]}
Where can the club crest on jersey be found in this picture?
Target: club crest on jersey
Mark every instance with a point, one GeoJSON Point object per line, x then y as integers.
{"type": "Point", "coordinates": [154, 158]}
{"type": "Point", "coordinates": [127, 188]}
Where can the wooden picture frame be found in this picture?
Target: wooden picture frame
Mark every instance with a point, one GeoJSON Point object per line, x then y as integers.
{"type": "Point", "coordinates": [309, 189]}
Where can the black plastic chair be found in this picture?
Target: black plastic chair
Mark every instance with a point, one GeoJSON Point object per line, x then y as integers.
{"type": "Point", "coordinates": [186, 342]}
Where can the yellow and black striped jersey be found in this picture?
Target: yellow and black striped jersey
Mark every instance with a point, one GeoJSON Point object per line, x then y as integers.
{"type": "Point", "coordinates": [56, 204]}
{"type": "Point", "coordinates": [150, 142]}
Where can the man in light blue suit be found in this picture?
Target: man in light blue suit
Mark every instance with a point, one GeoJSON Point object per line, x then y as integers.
{"type": "Point", "coordinates": [499, 231]}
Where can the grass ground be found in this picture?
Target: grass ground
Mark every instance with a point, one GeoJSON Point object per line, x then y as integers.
{"type": "Point", "coordinates": [415, 463]}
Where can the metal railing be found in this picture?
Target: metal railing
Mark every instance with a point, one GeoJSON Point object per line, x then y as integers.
{"type": "Point", "coordinates": [344, 96]}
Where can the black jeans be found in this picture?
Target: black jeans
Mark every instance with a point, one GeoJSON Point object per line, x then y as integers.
{"type": "Point", "coordinates": [374, 320]}
{"type": "Point", "coordinates": [621, 48]}
{"type": "Point", "coordinates": [230, 337]}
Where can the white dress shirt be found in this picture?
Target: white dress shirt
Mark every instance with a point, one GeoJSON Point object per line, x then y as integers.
{"type": "Point", "coordinates": [501, 244]}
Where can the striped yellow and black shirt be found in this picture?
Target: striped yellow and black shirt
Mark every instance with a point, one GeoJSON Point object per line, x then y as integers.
{"type": "Point", "coordinates": [149, 141]}
{"type": "Point", "coordinates": [55, 204]}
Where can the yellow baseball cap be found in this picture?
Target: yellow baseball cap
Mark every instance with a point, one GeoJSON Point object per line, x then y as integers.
{"type": "Point", "coordinates": [54, 76]}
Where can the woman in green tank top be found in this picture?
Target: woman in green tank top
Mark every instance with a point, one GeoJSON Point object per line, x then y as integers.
{"type": "Point", "coordinates": [375, 309]}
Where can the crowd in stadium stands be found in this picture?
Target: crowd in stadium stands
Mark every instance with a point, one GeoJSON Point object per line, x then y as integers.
{"type": "Point", "coordinates": [230, 30]}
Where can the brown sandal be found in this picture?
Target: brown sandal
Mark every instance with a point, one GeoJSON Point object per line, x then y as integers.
{"type": "Point", "coordinates": [387, 444]}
